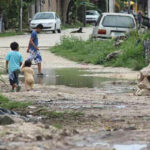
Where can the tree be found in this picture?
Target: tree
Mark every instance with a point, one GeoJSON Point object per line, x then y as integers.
{"type": "Point", "coordinates": [10, 9]}
{"type": "Point", "coordinates": [76, 9]}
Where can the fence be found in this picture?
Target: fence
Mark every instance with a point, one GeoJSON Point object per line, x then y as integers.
{"type": "Point", "coordinates": [147, 51]}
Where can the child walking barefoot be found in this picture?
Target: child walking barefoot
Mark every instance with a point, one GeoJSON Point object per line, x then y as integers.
{"type": "Point", "coordinates": [28, 74]}
{"type": "Point", "coordinates": [13, 62]}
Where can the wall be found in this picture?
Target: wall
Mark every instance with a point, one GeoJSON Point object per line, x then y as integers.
{"type": "Point", "coordinates": [59, 6]}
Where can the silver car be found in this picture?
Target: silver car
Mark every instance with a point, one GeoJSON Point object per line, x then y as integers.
{"type": "Point", "coordinates": [111, 25]}
{"type": "Point", "coordinates": [49, 20]}
{"type": "Point", "coordinates": [92, 16]}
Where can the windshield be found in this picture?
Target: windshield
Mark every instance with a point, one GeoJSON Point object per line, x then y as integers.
{"type": "Point", "coordinates": [43, 16]}
{"type": "Point", "coordinates": [91, 13]}
{"type": "Point", "coordinates": [118, 21]}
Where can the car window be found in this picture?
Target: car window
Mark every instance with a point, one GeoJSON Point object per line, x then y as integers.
{"type": "Point", "coordinates": [118, 21]}
{"type": "Point", "coordinates": [57, 16]}
{"type": "Point", "coordinates": [43, 16]}
{"type": "Point", "coordinates": [98, 21]}
{"type": "Point", "coordinates": [91, 13]}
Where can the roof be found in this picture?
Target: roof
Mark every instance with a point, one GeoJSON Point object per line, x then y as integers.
{"type": "Point", "coordinates": [121, 14]}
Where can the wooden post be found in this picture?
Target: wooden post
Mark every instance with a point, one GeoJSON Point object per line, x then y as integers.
{"type": "Point", "coordinates": [129, 7]}
{"type": "Point", "coordinates": [21, 14]}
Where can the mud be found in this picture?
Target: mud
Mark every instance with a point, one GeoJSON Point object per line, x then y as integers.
{"type": "Point", "coordinates": [62, 116]}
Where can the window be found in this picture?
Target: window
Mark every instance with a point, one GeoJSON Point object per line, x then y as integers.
{"type": "Point", "coordinates": [91, 13]}
{"type": "Point", "coordinates": [118, 21]}
{"type": "Point", "coordinates": [43, 16]}
{"type": "Point", "coordinates": [98, 21]}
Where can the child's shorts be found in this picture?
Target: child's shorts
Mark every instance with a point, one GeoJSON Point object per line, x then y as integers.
{"type": "Point", "coordinates": [14, 77]}
{"type": "Point", "coordinates": [36, 56]}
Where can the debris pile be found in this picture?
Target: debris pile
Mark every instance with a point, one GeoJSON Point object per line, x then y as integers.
{"type": "Point", "coordinates": [143, 87]}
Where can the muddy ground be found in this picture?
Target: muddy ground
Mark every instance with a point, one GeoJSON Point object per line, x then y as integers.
{"type": "Point", "coordinates": [77, 118]}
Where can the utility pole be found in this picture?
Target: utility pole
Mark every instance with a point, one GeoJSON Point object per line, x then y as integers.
{"type": "Point", "coordinates": [21, 14]}
{"type": "Point", "coordinates": [38, 5]}
{"type": "Point", "coordinates": [107, 9]}
{"type": "Point", "coordinates": [111, 6]}
{"type": "Point", "coordinates": [84, 12]}
{"type": "Point", "coordinates": [149, 9]}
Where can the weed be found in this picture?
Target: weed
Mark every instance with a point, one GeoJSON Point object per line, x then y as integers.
{"type": "Point", "coordinates": [8, 104]}
{"type": "Point", "coordinates": [95, 51]}
{"type": "Point", "coordinates": [58, 126]}
{"type": "Point", "coordinates": [59, 115]}
{"type": "Point", "coordinates": [5, 34]}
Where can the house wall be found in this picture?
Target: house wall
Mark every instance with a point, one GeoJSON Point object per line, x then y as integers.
{"type": "Point", "coordinates": [58, 6]}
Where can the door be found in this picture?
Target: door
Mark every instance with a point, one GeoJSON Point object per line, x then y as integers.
{"type": "Point", "coordinates": [58, 22]}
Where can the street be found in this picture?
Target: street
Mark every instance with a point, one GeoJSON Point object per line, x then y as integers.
{"type": "Point", "coordinates": [71, 117]}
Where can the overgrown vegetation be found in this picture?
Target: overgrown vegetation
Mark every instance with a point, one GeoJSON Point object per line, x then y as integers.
{"type": "Point", "coordinates": [6, 34]}
{"type": "Point", "coordinates": [10, 11]}
{"type": "Point", "coordinates": [95, 51]}
{"type": "Point", "coordinates": [58, 115]}
{"type": "Point", "coordinates": [8, 104]}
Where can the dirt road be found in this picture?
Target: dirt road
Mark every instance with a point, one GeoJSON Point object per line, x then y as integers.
{"type": "Point", "coordinates": [46, 40]}
{"type": "Point", "coordinates": [69, 118]}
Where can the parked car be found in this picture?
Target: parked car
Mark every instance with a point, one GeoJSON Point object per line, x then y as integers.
{"type": "Point", "coordinates": [146, 22]}
{"type": "Point", "coordinates": [92, 16]}
{"type": "Point", "coordinates": [49, 20]}
{"type": "Point", "coordinates": [113, 25]}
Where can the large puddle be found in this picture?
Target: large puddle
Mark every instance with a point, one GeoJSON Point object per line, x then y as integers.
{"type": "Point", "coordinates": [130, 147]}
{"type": "Point", "coordinates": [95, 141]}
{"type": "Point", "coordinates": [74, 77]}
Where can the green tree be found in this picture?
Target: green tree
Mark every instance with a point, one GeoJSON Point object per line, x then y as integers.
{"type": "Point", "coordinates": [77, 8]}
{"type": "Point", "coordinates": [10, 10]}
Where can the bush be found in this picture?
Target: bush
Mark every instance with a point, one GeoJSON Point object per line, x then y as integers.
{"type": "Point", "coordinates": [84, 51]}
{"type": "Point", "coordinates": [95, 51]}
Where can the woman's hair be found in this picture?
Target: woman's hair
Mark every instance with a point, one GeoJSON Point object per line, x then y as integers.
{"type": "Point", "coordinates": [28, 63]}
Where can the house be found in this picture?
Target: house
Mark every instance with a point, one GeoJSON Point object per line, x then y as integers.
{"type": "Point", "coordinates": [58, 6]}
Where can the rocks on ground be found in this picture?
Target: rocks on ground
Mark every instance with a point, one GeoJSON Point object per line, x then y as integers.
{"type": "Point", "coordinates": [143, 86]}
{"type": "Point", "coordinates": [113, 55]}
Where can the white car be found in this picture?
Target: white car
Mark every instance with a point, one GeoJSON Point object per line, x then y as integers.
{"type": "Point", "coordinates": [92, 16]}
{"type": "Point", "coordinates": [49, 20]}
{"type": "Point", "coordinates": [111, 25]}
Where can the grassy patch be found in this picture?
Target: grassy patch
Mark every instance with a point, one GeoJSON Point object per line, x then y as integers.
{"type": "Point", "coordinates": [7, 104]}
{"type": "Point", "coordinates": [6, 34]}
{"type": "Point", "coordinates": [95, 51]}
{"type": "Point", "coordinates": [59, 115]}
{"type": "Point", "coordinates": [58, 126]}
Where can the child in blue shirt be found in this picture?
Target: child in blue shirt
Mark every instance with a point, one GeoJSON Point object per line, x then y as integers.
{"type": "Point", "coordinates": [13, 62]}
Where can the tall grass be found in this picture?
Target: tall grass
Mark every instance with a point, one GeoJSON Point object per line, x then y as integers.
{"type": "Point", "coordinates": [84, 51]}
{"type": "Point", "coordinates": [95, 51]}
{"type": "Point", "coordinates": [7, 34]}
{"type": "Point", "coordinates": [12, 105]}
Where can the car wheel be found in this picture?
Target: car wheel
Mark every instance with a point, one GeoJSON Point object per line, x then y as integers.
{"type": "Point", "coordinates": [59, 30]}
{"type": "Point", "coordinates": [54, 31]}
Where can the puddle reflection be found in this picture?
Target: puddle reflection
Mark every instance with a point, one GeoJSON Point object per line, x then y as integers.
{"type": "Point", "coordinates": [130, 147]}
{"type": "Point", "coordinates": [74, 77]}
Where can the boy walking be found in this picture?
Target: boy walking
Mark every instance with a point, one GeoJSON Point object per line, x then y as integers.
{"type": "Point", "coordinates": [13, 62]}
{"type": "Point", "coordinates": [33, 48]}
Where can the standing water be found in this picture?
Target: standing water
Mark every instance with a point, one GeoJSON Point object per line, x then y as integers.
{"type": "Point", "coordinates": [74, 77]}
